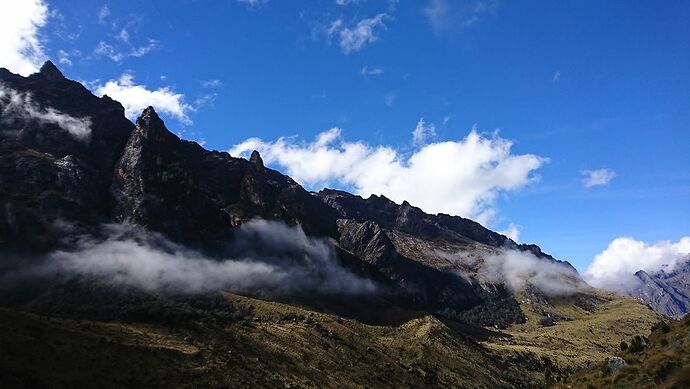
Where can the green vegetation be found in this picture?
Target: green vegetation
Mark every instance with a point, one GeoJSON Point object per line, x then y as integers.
{"type": "Point", "coordinates": [661, 360]}
{"type": "Point", "coordinates": [238, 341]}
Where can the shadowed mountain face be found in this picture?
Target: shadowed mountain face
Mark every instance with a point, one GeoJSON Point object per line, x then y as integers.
{"type": "Point", "coordinates": [71, 162]}
{"type": "Point", "coordinates": [666, 292]}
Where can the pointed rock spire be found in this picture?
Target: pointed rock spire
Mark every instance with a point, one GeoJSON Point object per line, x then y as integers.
{"type": "Point", "coordinates": [256, 158]}
{"type": "Point", "coordinates": [50, 71]}
{"type": "Point", "coordinates": [149, 119]}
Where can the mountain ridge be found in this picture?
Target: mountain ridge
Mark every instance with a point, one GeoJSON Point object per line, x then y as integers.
{"type": "Point", "coordinates": [440, 300]}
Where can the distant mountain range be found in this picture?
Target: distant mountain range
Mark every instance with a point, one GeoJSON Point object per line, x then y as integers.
{"type": "Point", "coordinates": [668, 292]}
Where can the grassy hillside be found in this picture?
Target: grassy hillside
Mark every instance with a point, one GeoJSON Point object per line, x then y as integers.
{"type": "Point", "coordinates": [585, 328]}
{"type": "Point", "coordinates": [664, 362]}
{"type": "Point", "coordinates": [273, 344]}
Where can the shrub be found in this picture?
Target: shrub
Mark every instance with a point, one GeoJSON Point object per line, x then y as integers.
{"type": "Point", "coordinates": [638, 344]}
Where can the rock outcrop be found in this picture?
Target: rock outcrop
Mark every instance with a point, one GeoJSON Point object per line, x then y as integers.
{"type": "Point", "coordinates": [667, 292]}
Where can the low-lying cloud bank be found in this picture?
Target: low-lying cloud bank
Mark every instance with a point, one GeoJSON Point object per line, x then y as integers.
{"type": "Point", "coordinates": [18, 106]}
{"type": "Point", "coordinates": [614, 268]}
{"type": "Point", "coordinates": [269, 258]}
{"type": "Point", "coordinates": [519, 269]}
{"type": "Point", "coordinates": [460, 177]}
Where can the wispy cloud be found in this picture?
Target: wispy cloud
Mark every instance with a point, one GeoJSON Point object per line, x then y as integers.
{"type": "Point", "coordinates": [556, 76]}
{"type": "Point", "coordinates": [107, 50]}
{"type": "Point", "coordinates": [423, 132]}
{"type": "Point", "coordinates": [598, 177]}
{"type": "Point", "coordinates": [355, 37]}
{"type": "Point", "coordinates": [21, 50]}
{"type": "Point", "coordinates": [253, 4]}
{"type": "Point", "coordinates": [374, 71]}
{"type": "Point", "coordinates": [103, 14]}
{"type": "Point", "coordinates": [211, 83]}
{"type": "Point", "coordinates": [460, 177]}
{"type": "Point", "coordinates": [18, 106]}
{"type": "Point", "coordinates": [456, 16]}
{"type": "Point", "coordinates": [389, 98]}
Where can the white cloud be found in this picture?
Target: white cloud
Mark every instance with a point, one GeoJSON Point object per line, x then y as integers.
{"type": "Point", "coordinates": [273, 259]}
{"type": "Point", "coordinates": [20, 47]}
{"type": "Point", "coordinates": [16, 106]}
{"type": "Point", "coordinates": [614, 268]}
{"type": "Point", "coordinates": [458, 177]}
{"type": "Point", "coordinates": [107, 50]}
{"type": "Point", "coordinates": [597, 177]}
{"type": "Point", "coordinates": [556, 76]}
{"type": "Point", "coordinates": [135, 98]}
{"type": "Point", "coordinates": [103, 14]}
{"type": "Point", "coordinates": [123, 35]}
{"type": "Point", "coordinates": [456, 16]}
{"type": "Point", "coordinates": [355, 38]}
{"type": "Point", "coordinates": [513, 232]}
{"type": "Point", "coordinates": [367, 71]}
{"type": "Point", "coordinates": [423, 132]}
{"type": "Point", "coordinates": [64, 58]}
{"type": "Point", "coordinates": [518, 269]}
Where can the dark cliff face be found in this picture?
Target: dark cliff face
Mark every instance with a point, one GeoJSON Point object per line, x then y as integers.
{"type": "Point", "coordinates": [55, 185]}
{"type": "Point", "coordinates": [197, 196]}
{"type": "Point", "coordinates": [666, 292]}
{"type": "Point", "coordinates": [51, 180]}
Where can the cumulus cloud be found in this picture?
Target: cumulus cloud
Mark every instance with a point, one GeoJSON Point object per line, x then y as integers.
{"type": "Point", "coordinates": [17, 106]}
{"type": "Point", "coordinates": [423, 132]}
{"type": "Point", "coordinates": [356, 37]}
{"type": "Point", "coordinates": [614, 268]}
{"type": "Point", "coordinates": [269, 258]}
{"type": "Point", "coordinates": [599, 177]}
{"type": "Point", "coordinates": [460, 177]}
{"type": "Point", "coordinates": [20, 47]}
{"type": "Point", "coordinates": [135, 98]}
{"type": "Point", "coordinates": [456, 16]}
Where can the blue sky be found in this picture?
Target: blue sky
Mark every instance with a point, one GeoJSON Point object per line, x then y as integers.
{"type": "Point", "coordinates": [580, 86]}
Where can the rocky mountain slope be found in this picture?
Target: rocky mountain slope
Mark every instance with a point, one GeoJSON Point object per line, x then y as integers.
{"type": "Point", "coordinates": [213, 270]}
{"type": "Point", "coordinates": [668, 292]}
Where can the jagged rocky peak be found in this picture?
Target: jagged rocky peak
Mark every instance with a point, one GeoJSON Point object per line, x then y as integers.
{"type": "Point", "coordinates": [50, 71]}
{"type": "Point", "coordinates": [149, 119]}
{"type": "Point", "coordinates": [256, 158]}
